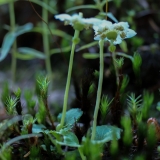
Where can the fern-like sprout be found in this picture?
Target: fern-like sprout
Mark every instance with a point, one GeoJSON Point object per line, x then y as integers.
{"type": "Point", "coordinates": [119, 62]}
{"type": "Point", "coordinates": [10, 105]}
{"type": "Point", "coordinates": [134, 105]}
{"type": "Point", "coordinates": [105, 105]}
{"type": "Point", "coordinates": [43, 84]}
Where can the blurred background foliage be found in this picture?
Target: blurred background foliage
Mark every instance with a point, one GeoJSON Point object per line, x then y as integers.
{"type": "Point", "coordinates": [142, 15]}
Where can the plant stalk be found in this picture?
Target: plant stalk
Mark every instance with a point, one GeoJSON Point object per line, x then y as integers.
{"type": "Point", "coordinates": [81, 154]}
{"type": "Point", "coordinates": [101, 45]}
{"type": "Point", "coordinates": [106, 8]}
{"type": "Point", "coordinates": [76, 36]}
{"type": "Point", "coordinates": [14, 47]}
{"type": "Point", "coordinates": [115, 67]}
{"type": "Point", "coordinates": [46, 41]}
{"type": "Point", "coordinates": [49, 114]}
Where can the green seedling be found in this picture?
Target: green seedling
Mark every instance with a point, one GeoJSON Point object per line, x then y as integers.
{"type": "Point", "coordinates": [127, 132]}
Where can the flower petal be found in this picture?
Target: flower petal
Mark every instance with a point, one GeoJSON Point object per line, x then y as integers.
{"type": "Point", "coordinates": [124, 24]}
{"type": "Point", "coordinates": [63, 17]}
{"type": "Point", "coordinates": [97, 38]}
{"type": "Point", "coordinates": [118, 40]}
{"type": "Point", "coordinates": [93, 21]}
{"type": "Point", "coordinates": [130, 33]}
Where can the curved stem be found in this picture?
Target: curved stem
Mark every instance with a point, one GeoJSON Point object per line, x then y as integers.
{"type": "Point", "coordinates": [46, 41]}
{"type": "Point", "coordinates": [101, 45]}
{"type": "Point", "coordinates": [14, 48]}
{"type": "Point", "coordinates": [124, 55]}
{"type": "Point", "coordinates": [76, 36]}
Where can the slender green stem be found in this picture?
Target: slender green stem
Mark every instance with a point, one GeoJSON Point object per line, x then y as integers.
{"type": "Point", "coordinates": [101, 45]}
{"type": "Point", "coordinates": [14, 48]}
{"type": "Point", "coordinates": [81, 154]}
{"type": "Point", "coordinates": [115, 67]}
{"type": "Point", "coordinates": [46, 41]}
{"type": "Point", "coordinates": [75, 41]}
{"type": "Point", "coordinates": [124, 55]}
{"type": "Point", "coordinates": [58, 147]}
{"type": "Point", "coordinates": [106, 8]}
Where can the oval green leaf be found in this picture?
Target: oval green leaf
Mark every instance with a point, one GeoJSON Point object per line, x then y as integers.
{"type": "Point", "coordinates": [90, 56]}
{"type": "Point", "coordinates": [87, 46]}
{"type": "Point", "coordinates": [105, 133]}
{"type": "Point", "coordinates": [72, 116]}
{"type": "Point", "coordinates": [31, 52]}
{"type": "Point", "coordinates": [23, 29]}
{"type": "Point", "coordinates": [6, 45]}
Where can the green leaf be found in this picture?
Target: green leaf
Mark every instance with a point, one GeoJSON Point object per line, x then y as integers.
{"type": "Point", "coordinates": [72, 155]}
{"type": "Point", "coordinates": [62, 50]}
{"type": "Point", "coordinates": [7, 123]}
{"type": "Point", "coordinates": [56, 134]}
{"type": "Point", "coordinates": [38, 128]}
{"type": "Point", "coordinates": [125, 82]}
{"type": "Point", "coordinates": [69, 138]}
{"type": "Point", "coordinates": [23, 56]}
{"type": "Point", "coordinates": [2, 2]}
{"type": "Point", "coordinates": [10, 38]}
{"type": "Point", "coordinates": [6, 45]}
{"type": "Point", "coordinates": [23, 29]}
{"type": "Point", "coordinates": [87, 46]}
{"type": "Point", "coordinates": [104, 133]}
{"type": "Point", "coordinates": [136, 63]}
{"type": "Point", "coordinates": [148, 99]}
{"type": "Point", "coordinates": [123, 46]}
{"type": "Point", "coordinates": [44, 5]}
{"type": "Point", "coordinates": [71, 116]}
{"type": "Point", "coordinates": [91, 149]}
{"type": "Point", "coordinates": [56, 32]}
{"type": "Point", "coordinates": [90, 56]}
{"type": "Point", "coordinates": [105, 105]}
{"type": "Point", "coordinates": [82, 7]}
{"type": "Point", "coordinates": [94, 55]}
{"type": "Point", "coordinates": [30, 51]}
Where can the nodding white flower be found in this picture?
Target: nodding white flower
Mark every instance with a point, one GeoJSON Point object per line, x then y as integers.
{"type": "Point", "coordinates": [77, 21]}
{"type": "Point", "coordinates": [113, 33]}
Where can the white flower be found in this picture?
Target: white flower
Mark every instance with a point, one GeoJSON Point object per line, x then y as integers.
{"type": "Point", "coordinates": [77, 21]}
{"type": "Point", "coordinates": [113, 33]}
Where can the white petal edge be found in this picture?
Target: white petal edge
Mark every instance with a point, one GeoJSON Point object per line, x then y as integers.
{"type": "Point", "coordinates": [130, 33]}
{"type": "Point", "coordinates": [63, 17]}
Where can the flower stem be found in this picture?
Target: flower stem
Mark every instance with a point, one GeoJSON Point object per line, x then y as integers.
{"type": "Point", "coordinates": [106, 8]}
{"type": "Point", "coordinates": [115, 67]}
{"type": "Point", "coordinates": [46, 41]}
{"type": "Point", "coordinates": [101, 45]}
{"type": "Point", "coordinates": [14, 48]}
{"type": "Point", "coordinates": [124, 55]}
{"type": "Point", "coordinates": [74, 42]}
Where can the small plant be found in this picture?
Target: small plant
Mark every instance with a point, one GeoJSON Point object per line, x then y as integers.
{"type": "Point", "coordinates": [113, 122]}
